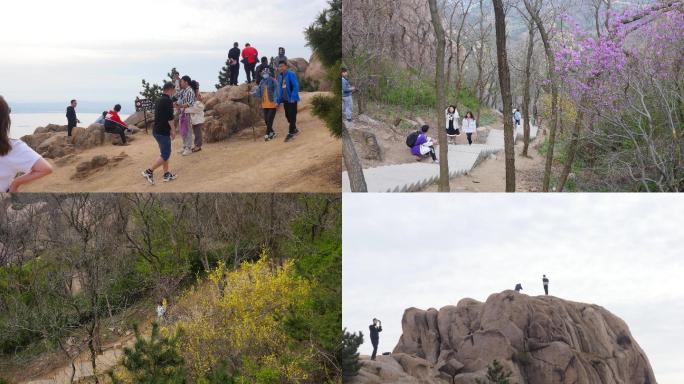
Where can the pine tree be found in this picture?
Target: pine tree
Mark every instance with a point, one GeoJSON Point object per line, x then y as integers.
{"type": "Point", "coordinates": [496, 374]}
{"type": "Point", "coordinates": [348, 355]}
{"type": "Point", "coordinates": [224, 75]}
{"type": "Point", "coordinates": [153, 361]}
{"type": "Point", "coordinates": [154, 91]}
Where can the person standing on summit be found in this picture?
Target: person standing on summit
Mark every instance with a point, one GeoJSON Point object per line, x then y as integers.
{"type": "Point", "coordinates": [234, 60]}
{"type": "Point", "coordinates": [375, 330]}
{"type": "Point", "coordinates": [281, 57]}
{"type": "Point", "coordinates": [72, 120]}
{"type": "Point", "coordinates": [250, 57]}
{"type": "Point", "coordinates": [545, 280]}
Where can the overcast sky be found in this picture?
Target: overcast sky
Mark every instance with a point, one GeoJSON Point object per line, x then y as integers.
{"type": "Point", "coordinates": [100, 50]}
{"type": "Point", "coordinates": [623, 252]}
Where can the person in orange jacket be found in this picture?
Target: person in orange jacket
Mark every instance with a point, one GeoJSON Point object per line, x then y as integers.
{"type": "Point", "coordinates": [250, 58]}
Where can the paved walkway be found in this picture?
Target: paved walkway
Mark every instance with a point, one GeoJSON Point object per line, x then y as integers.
{"type": "Point", "coordinates": [414, 177]}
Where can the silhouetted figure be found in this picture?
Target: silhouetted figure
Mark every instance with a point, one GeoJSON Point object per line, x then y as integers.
{"type": "Point", "coordinates": [518, 287]}
{"type": "Point", "coordinates": [545, 280]}
{"type": "Point", "coordinates": [375, 330]}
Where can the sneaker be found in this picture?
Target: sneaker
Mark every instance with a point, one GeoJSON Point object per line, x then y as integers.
{"type": "Point", "coordinates": [273, 135]}
{"type": "Point", "coordinates": [186, 152]}
{"type": "Point", "coordinates": [168, 176]}
{"type": "Point", "coordinates": [149, 176]}
{"type": "Point", "coordinates": [267, 137]}
{"type": "Point", "coordinates": [289, 137]}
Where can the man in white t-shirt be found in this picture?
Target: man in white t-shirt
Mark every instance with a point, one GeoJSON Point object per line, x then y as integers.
{"type": "Point", "coordinates": [21, 159]}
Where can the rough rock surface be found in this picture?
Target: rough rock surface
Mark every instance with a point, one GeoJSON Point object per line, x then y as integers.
{"type": "Point", "coordinates": [229, 110]}
{"type": "Point", "coordinates": [88, 168]}
{"type": "Point", "coordinates": [540, 340]}
{"type": "Point", "coordinates": [316, 73]}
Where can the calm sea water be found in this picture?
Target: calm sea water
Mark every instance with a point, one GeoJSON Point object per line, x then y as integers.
{"type": "Point", "coordinates": [25, 123]}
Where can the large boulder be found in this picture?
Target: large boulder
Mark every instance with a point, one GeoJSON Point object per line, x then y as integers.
{"type": "Point", "coordinates": [298, 65]}
{"type": "Point", "coordinates": [138, 119]}
{"type": "Point", "coordinates": [51, 128]}
{"type": "Point", "coordinates": [56, 146]}
{"type": "Point", "coordinates": [540, 340]}
{"type": "Point", "coordinates": [317, 74]}
{"type": "Point", "coordinates": [229, 110]}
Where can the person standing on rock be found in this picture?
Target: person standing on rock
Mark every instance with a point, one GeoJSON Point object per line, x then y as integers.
{"type": "Point", "coordinates": [288, 95]}
{"type": "Point", "coordinates": [250, 57]}
{"type": "Point", "coordinates": [347, 91]}
{"type": "Point", "coordinates": [518, 287]}
{"type": "Point", "coordinates": [114, 125]}
{"type": "Point", "coordinates": [16, 157]}
{"type": "Point", "coordinates": [469, 126]}
{"type": "Point", "coordinates": [375, 330]}
{"type": "Point", "coordinates": [281, 56]}
{"type": "Point", "coordinates": [267, 91]}
{"type": "Point", "coordinates": [545, 281]}
{"type": "Point", "coordinates": [164, 132]}
{"type": "Point", "coordinates": [234, 60]}
{"type": "Point", "coordinates": [72, 120]}
{"type": "Point", "coordinates": [185, 100]}
{"type": "Point", "coordinates": [451, 115]}
{"type": "Point", "coordinates": [260, 69]}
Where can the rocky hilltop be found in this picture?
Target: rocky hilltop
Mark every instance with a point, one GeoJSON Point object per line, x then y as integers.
{"type": "Point", "coordinates": [540, 340]}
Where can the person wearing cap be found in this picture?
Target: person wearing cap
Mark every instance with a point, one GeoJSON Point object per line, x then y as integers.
{"type": "Point", "coordinates": [267, 91]}
{"type": "Point", "coordinates": [250, 57]}
{"type": "Point", "coordinates": [375, 330]}
{"type": "Point", "coordinates": [260, 69]}
{"type": "Point", "coordinates": [234, 60]}
{"type": "Point", "coordinates": [288, 95]}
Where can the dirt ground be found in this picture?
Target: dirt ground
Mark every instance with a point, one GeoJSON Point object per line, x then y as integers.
{"type": "Point", "coordinates": [490, 175]}
{"type": "Point", "coordinates": [310, 163]}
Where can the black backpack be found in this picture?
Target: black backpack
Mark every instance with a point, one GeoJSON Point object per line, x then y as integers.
{"type": "Point", "coordinates": [412, 138]}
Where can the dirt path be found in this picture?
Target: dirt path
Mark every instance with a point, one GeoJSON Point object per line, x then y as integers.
{"type": "Point", "coordinates": [490, 175]}
{"type": "Point", "coordinates": [310, 163]}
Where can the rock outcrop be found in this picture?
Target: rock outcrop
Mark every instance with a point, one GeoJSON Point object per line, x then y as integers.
{"type": "Point", "coordinates": [316, 73]}
{"type": "Point", "coordinates": [229, 110]}
{"type": "Point", "coordinates": [540, 340]}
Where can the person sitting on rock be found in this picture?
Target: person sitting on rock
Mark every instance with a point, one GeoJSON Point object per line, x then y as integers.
{"type": "Point", "coordinates": [451, 115]}
{"type": "Point", "coordinates": [424, 145]}
{"type": "Point", "coordinates": [101, 120]}
{"type": "Point", "coordinates": [375, 330]}
{"type": "Point", "coordinates": [260, 69]}
{"type": "Point", "coordinates": [518, 287]}
{"type": "Point", "coordinates": [267, 91]}
{"type": "Point", "coordinates": [113, 124]}
{"type": "Point", "coordinates": [288, 95]}
{"type": "Point", "coordinates": [16, 157]}
{"type": "Point", "coordinates": [545, 281]}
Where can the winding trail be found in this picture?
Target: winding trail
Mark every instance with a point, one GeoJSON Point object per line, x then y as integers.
{"type": "Point", "coordinates": [414, 177]}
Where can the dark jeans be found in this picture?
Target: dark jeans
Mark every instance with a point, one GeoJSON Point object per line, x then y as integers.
{"type": "Point", "coordinates": [269, 117]}
{"type": "Point", "coordinates": [115, 128]}
{"type": "Point", "coordinates": [69, 128]}
{"type": "Point", "coordinates": [433, 154]}
{"type": "Point", "coordinates": [291, 115]}
{"type": "Point", "coordinates": [251, 75]}
{"type": "Point", "coordinates": [234, 73]}
{"type": "Point", "coordinates": [546, 289]}
{"type": "Point", "coordinates": [470, 138]}
{"type": "Point", "coordinates": [375, 350]}
{"type": "Point", "coordinates": [197, 131]}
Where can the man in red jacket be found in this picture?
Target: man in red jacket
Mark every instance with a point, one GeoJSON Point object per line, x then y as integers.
{"type": "Point", "coordinates": [114, 124]}
{"type": "Point", "coordinates": [250, 57]}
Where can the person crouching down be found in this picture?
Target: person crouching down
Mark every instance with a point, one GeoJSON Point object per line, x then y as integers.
{"type": "Point", "coordinates": [113, 124]}
{"type": "Point", "coordinates": [424, 145]}
{"type": "Point", "coordinates": [266, 91]}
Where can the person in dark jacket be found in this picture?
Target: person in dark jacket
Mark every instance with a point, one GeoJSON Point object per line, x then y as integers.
{"type": "Point", "coordinates": [375, 330]}
{"type": "Point", "coordinates": [288, 95]}
{"type": "Point", "coordinates": [518, 287]}
{"type": "Point", "coordinates": [71, 117]}
{"type": "Point", "coordinates": [234, 58]}
{"type": "Point", "coordinates": [260, 70]}
{"type": "Point", "coordinates": [281, 56]}
{"type": "Point", "coordinates": [164, 132]}
{"type": "Point", "coordinates": [545, 281]}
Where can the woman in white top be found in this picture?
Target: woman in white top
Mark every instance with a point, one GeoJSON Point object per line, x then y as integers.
{"type": "Point", "coordinates": [17, 158]}
{"type": "Point", "coordinates": [197, 117]}
{"type": "Point", "coordinates": [469, 126]}
{"type": "Point", "coordinates": [451, 115]}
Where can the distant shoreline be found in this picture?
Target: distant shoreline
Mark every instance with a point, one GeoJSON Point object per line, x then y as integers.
{"type": "Point", "coordinates": [26, 123]}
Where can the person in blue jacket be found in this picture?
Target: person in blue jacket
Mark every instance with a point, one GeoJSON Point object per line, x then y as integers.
{"type": "Point", "coordinates": [288, 95]}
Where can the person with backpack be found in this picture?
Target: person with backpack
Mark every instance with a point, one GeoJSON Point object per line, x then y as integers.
{"type": "Point", "coordinates": [451, 115]}
{"type": "Point", "coordinates": [421, 144]}
{"type": "Point", "coordinates": [545, 281]}
{"type": "Point", "coordinates": [234, 61]}
{"type": "Point", "coordinates": [250, 57]}
{"type": "Point", "coordinates": [72, 120]}
{"type": "Point", "coordinates": [375, 330]}
{"type": "Point", "coordinates": [114, 125]}
{"type": "Point", "coordinates": [260, 69]}
{"type": "Point", "coordinates": [267, 91]}
{"type": "Point", "coordinates": [469, 126]}
{"type": "Point", "coordinates": [288, 95]}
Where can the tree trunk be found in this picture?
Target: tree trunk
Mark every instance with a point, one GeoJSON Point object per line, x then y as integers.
{"type": "Point", "coordinates": [551, 63]}
{"type": "Point", "coordinates": [357, 181]}
{"type": "Point", "coordinates": [441, 99]}
{"type": "Point", "coordinates": [526, 89]}
{"type": "Point", "coordinates": [572, 148]}
{"type": "Point", "coordinates": [505, 83]}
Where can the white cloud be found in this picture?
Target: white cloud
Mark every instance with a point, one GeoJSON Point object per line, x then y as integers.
{"type": "Point", "coordinates": [622, 252]}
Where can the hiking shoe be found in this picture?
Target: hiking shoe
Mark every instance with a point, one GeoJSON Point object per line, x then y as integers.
{"type": "Point", "coordinates": [149, 176]}
{"type": "Point", "coordinates": [267, 137]}
{"type": "Point", "coordinates": [186, 152]}
{"type": "Point", "coordinates": [168, 176]}
{"type": "Point", "coordinates": [289, 137]}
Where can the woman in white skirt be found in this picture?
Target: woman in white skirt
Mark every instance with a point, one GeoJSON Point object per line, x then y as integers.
{"type": "Point", "coordinates": [451, 115]}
